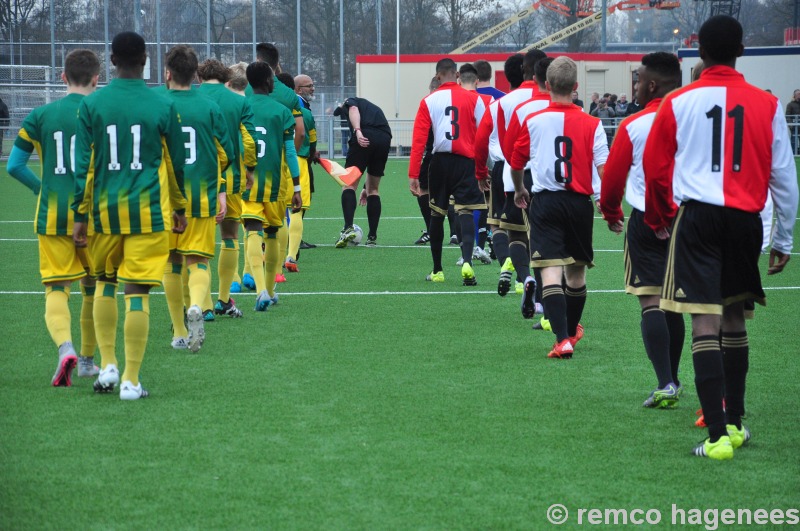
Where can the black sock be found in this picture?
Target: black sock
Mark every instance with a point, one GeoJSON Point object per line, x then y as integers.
{"type": "Point", "coordinates": [554, 300]}
{"type": "Point", "coordinates": [424, 202]}
{"type": "Point", "coordinates": [348, 206]}
{"type": "Point", "coordinates": [537, 274]}
{"type": "Point", "coordinates": [520, 258]}
{"type": "Point", "coordinates": [373, 214]}
{"type": "Point", "coordinates": [500, 243]}
{"type": "Point", "coordinates": [709, 379]}
{"type": "Point", "coordinates": [677, 335]}
{"type": "Point", "coordinates": [467, 222]}
{"type": "Point", "coordinates": [482, 234]}
{"type": "Point", "coordinates": [576, 300]}
{"type": "Point", "coordinates": [436, 232]}
{"type": "Point", "coordinates": [655, 335]}
{"type": "Point", "coordinates": [735, 356]}
{"type": "Point", "coordinates": [455, 225]}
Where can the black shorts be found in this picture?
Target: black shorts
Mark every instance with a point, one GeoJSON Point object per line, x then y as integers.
{"type": "Point", "coordinates": [645, 257]}
{"type": "Point", "coordinates": [311, 175]}
{"type": "Point", "coordinates": [712, 260]}
{"type": "Point", "coordinates": [370, 159]}
{"type": "Point", "coordinates": [454, 175]}
{"type": "Point", "coordinates": [424, 168]}
{"type": "Point", "coordinates": [496, 194]}
{"type": "Point", "coordinates": [561, 229]}
{"type": "Point", "coordinates": [513, 217]}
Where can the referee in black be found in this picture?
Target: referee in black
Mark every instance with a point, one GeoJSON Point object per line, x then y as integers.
{"type": "Point", "coordinates": [368, 150]}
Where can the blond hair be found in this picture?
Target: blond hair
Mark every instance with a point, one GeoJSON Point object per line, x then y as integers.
{"type": "Point", "coordinates": [562, 74]}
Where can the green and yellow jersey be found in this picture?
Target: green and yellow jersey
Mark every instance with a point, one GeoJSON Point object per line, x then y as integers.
{"type": "Point", "coordinates": [239, 119]}
{"type": "Point", "coordinates": [274, 125]}
{"type": "Point", "coordinates": [283, 95]}
{"type": "Point", "coordinates": [50, 130]}
{"type": "Point", "coordinates": [126, 132]}
{"type": "Point", "coordinates": [310, 139]}
{"type": "Point", "coordinates": [208, 149]}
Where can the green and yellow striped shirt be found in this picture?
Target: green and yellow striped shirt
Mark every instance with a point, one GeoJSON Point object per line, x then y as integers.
{"type": "Point", "coordinates": [273, 126]}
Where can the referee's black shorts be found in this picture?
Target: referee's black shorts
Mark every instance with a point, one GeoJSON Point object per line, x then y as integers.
{"type": "Point", "coordinates": [452, 174]}
{"type": "Point", "coordinates": [371, 159]}
{"type": "Point", "coordinates": [645, 257]}
{"type": "Point", "coordinates": [712, 260]}
{"type": "Point", "coordinates": [561, 229]}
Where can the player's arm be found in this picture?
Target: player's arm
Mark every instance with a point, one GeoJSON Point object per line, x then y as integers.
{"type": "Point", "coordinates": [175, 156]}
{"type": "Point", "coordinates": [783, 187]}
{"type": "Point", "coordinates": [355, 120]}
{"type": "Point", "coordinates": [619, 162]}
{"type": "Point", "coordinates": [520, 156]}
{"type": "Point", "coordinates": [84, 159]}
{"type": "Point", "coordinates": [18, 162]}
{"type": "Point", "coordinates": [509, 139]}
{"type": "Point", "coordinates": [247, 131]}
{"type": "Point", "coordinates": [482, 146]}
{"type": "Point", "coordinates": [299, 128]}
{"type": "Point", "coordinates": [659, 153]}
{"type": "Point", "coordinates": [223, 141]}
{"type": "Point", "coordinates": [312, 140]}
{"type": "Point", "coordinates": [422, 125]}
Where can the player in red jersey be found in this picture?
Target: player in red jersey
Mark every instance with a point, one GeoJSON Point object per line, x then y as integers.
{"type": "Point", "coordinates": [645, 254]}
{"type": "Point", "coordinates": [563, 144]}
{"type": "Point", "coordinates": [718, 146]}
{"type": "Point", "coordinates": [452, 113]}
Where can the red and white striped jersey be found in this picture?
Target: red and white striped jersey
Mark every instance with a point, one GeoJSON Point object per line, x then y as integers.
{"type": "Point", "coordinates": [729, 143]}
{"type": "Point", "coordinates": [509, 102]}
{"type": "Point", "coordinates": [487, 143]}
{"type": "Point", "coordinates": [539, 101]}
{"type": "Point", "coordinates": [625, 163]}
{"type": "Point", "coordinates": [453, 114]}
{"type": "Point", "coordinates": [563, 144]}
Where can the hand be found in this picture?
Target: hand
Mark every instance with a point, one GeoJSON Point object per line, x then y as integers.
{"type": "Point", "coordinates": [362, 200]}
{"type": "Point", "coordinates": [315, 157]}
{"type": "Point", "coordinates": [297, 202]}
{"type": "Point", "coordinates": [413, 185]}
{"type": "Point", "coordinates": [79, 234]}
{"type": "Point", "coordinates": [616, 227]}
{"type": "Point", "coordinates": [484, 185]}
{"type": "Point", "coordinates": [178, 223]}
{"type": "Point", "coordinates": [521, 198]}
{"type": "Point", "coordinates": [777, 261]}
{"type": "Point", "coordinates": [248, 179]}
{"type": "Point", "coordinates": [362, 140]}
{"type": "Point", "coordinates": [222, 199]}
{"type": "Point", "coordinates": [662, 234]}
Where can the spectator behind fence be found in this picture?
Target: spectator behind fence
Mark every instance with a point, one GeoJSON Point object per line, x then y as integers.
{"type": "Point", "coordinates": [792, 118]}
{"type": "Point", "coordinates": [606, 114]}
{"type": "Point", "coordinates": [4, 123]}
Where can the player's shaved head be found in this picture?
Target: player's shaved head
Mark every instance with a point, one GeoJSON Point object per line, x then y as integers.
{"type": "Point", "coordinates": [720, 39]}
{"type": "Point", "coordinates": [213, 69]}
{"type": "Point", "coordinates": [260, 77]}
{"type": "Point", "coordinates": [182, 64]}
{"type": "Point", "coordinates": [81, 66]}
{"type": "Point", "coordinates": [287, 79]}
{"type": "Point", "coordinates": [540, 70]}
{"type": "Point", "coordinates": [529, 64]}
{"type": "Point", "coordinates": [128, 50]}
{"type": "Point", "coordinates": [562, 75]}
{"type": "Point", "coordinates": [484, 70]}
{"type": "Point", "coordinates": [513, 70]}
{"type": "Point", "coordinates": [659, 74]}
{"type": "Point", "coordinates": [446, 66]}
{"type": "Point", "coordinates": [268, 53]}
{"type": "Point", "coordinates": [468, 74]}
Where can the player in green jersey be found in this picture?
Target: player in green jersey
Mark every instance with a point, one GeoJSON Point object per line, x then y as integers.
{"type": "Point", "coordinates": [131, 138]}
{"type": "Point", "coordinates": [239, 118]}
{"type": "Point", "coordinates": [263, 204]}
{"type": "Point", "coordinates": [50, 130]}
{"type": "Point", "coordinates": [208, 151]}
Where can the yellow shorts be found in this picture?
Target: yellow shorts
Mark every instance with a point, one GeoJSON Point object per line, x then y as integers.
{"type": "Point", "coordinates": [270, 214]}
{"type": "Point", "coordinates": [133, 258]}
{"type": "Point", "coordinates": [198, 239]}
{"type": "Point", "coordinates": [234, 203]}
{"type": "Point", "coordinates": [59, 259]}
{"type": "Point", "coordinates": [305, 184]}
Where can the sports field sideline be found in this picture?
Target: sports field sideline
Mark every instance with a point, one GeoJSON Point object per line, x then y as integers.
{"type": "Point", "coordinates": [371, 399]}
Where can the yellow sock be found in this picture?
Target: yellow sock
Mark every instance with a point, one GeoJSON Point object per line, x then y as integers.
{"type": "Point", "coordinates": [273, 258]}
{"type": "Point", "coordinates": [56, 314]}
{"type": "Point", "coordinates": [283, 244]}
{"type": "Point", "coordinates": [199, 280]}
{"type": "Point", "coordinates": [185, 279]}
{"type": "Point", "coordinates": [173, 291]}
{"type": "Point", "coordinates": [105, 322]}
{"type": "Point", "coordinates": [137, 328]}
{"type": "Point", "coordinates": [208, 304]}
{"type": "Point", "coordinates": [247, 270]}
{"type": "Point", "coordinates": [226, 269]}
{"type": "Point", "coordinates": [256, 259]}
{"type": "Point", "coordinates": [88, 339]}
{"type": "Point", "coordinates": [295, 233]}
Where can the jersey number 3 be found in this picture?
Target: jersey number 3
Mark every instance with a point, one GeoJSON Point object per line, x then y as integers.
{"type": "Point", "coordinates": [715, 115]}
{"type": "Point", "coordinates": [452, 112]}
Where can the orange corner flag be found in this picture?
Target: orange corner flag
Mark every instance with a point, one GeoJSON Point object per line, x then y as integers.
{"type": "Point", "coordinates": [343, 176]}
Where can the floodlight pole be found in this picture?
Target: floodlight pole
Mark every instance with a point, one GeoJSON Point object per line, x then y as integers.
{"type": "Point", "coordinates": [105, 33]}
{"type": "Point", "coordinates": [341, 44]}
{"type": "Point", "coordinates": [603, 35]}
{"type": "Point", "coordinates": [299, 42]}
{"type": "Point", "coordinates": [52, 43]}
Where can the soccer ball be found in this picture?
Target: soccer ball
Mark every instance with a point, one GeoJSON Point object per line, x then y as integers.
{"type": "Point", "coordinates": [359, 236]}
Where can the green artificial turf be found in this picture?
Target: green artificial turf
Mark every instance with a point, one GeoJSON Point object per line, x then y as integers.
{"type": "Point", "coordinates": [370, 399]}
